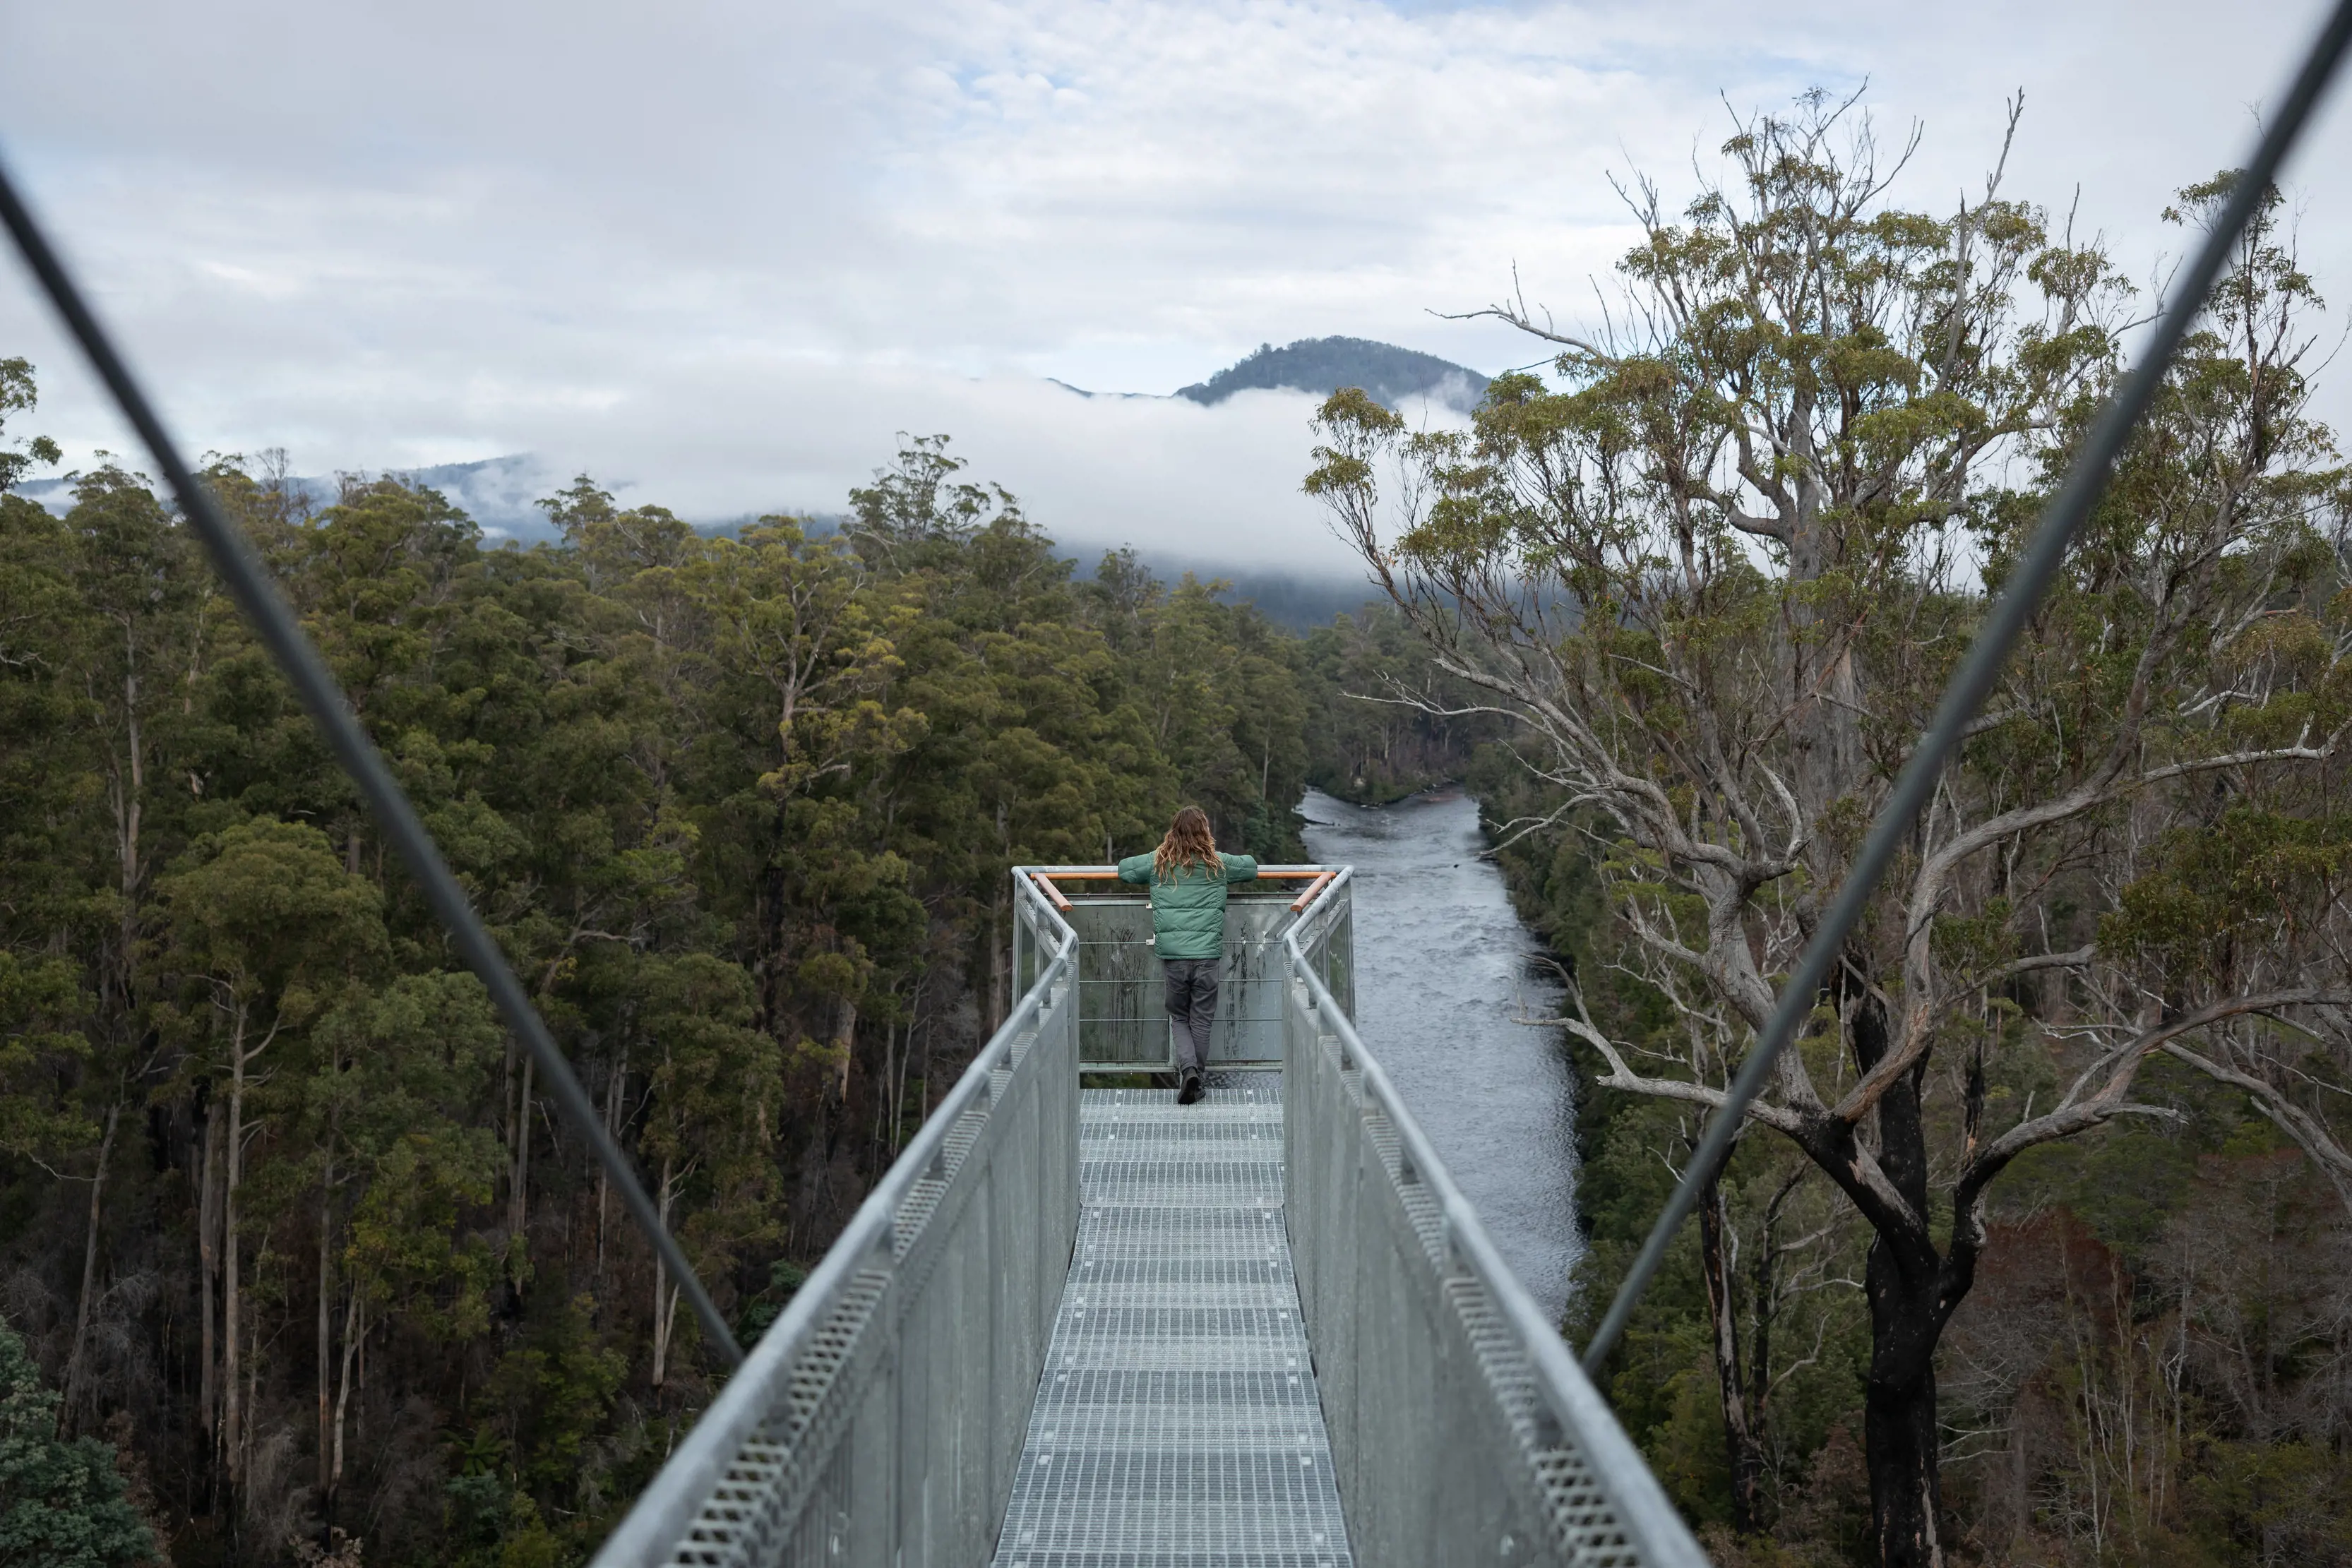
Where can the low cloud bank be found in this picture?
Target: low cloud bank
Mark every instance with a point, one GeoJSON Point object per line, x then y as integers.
{"type": "Point", "coordinates": [1173, 479]}
{"type": "Point", "coordinates": [1214, 489]}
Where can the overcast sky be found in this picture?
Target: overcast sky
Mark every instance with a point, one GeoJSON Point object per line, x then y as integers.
{"type": "Point", "coordinates": [719, 253]}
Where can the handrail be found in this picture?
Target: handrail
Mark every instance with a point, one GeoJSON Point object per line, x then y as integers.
{"type": "Point", "coordinates": [1323, 886]}
{"type": "Point", "coordinates": [662, 1514]}
{"type": "Point", "coordinates": [1265, 873]}
{"type": "Point", "coordinates": [1559, 1382]}
{"type": "Point", "coordinates": [1046, 876]}
{"type": "Point", "coordinates": [1103, 873]}
{"type": "Point", "coordinates": [1051, 891]}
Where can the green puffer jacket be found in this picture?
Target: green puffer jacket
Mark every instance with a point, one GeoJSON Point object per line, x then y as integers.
{"type": "Point", "coordinates": [1187, 910]}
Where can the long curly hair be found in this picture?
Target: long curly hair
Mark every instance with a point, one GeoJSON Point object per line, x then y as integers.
{"type": "Point", "coordinates": [1188, 843]}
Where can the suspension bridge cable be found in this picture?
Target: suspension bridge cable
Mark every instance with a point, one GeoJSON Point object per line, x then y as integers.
{"type": "Point", "coordinates": [395, 818]}
{"type": "Point", "coordinates": [2086, 480]}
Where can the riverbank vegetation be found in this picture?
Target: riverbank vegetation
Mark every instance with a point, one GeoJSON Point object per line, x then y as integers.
{"type": "Point", "coordinates": [285, 1221]}
{"type": "Point", "coordinates": [2035, 1251]}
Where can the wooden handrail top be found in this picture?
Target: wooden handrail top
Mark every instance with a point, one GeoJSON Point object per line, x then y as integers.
{"type": "Point", "coordinates": [1307, 897]}
{"type": "Point", "coordinates": [1113, 876]}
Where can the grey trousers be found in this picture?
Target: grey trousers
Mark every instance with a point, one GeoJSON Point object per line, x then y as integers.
{"type": "Point", "coordinates": [1193, 1005]}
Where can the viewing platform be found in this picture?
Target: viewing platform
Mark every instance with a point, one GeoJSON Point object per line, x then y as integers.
{"type": "Point", "coordinates": [1077, 1324]}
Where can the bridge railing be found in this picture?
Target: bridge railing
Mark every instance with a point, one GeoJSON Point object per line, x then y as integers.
{"type": "Point", "coordinates": [1123, 1024]}
{"type": "Point", "coordinates": [880, 1418]}
{"type": "Point", "coordinates": [1461, 1428]}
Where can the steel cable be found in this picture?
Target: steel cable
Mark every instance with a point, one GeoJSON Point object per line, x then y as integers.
{"type": "Point", "coordinates": [395, 818]}
{"type": "Point", "coordinates": [2086, 480]}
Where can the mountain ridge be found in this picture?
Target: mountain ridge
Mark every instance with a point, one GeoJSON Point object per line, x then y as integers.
{"type": "Point", "coordinates": [1322, 366]}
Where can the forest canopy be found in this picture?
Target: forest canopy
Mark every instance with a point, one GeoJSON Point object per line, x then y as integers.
{"type": "Point", "coordinates": [2034, 1248]}
{"type": "Point", "coordinates": [288, 1220]}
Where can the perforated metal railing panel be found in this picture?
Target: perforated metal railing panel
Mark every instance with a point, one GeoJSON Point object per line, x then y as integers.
{"type": "Point", "coordinates": [1178, 1423]}
{"type": "Point", "coordinates": [1123, 1018]}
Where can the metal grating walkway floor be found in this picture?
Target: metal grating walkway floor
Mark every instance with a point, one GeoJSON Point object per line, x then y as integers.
{"type": "Point", "coordinates": [1177, 1425]}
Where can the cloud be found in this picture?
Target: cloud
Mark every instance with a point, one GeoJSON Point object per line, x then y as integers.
{"type": "Point", "coordinates": [725, 251]}
{"type": "Point", "coordinates": [1179, 482]}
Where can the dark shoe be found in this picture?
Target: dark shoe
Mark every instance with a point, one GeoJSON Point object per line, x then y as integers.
{"type": "Point", "coordinates": [1192, 1090]}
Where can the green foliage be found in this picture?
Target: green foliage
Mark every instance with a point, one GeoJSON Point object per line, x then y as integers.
{"type": "Point", "coordinates": [62, 1503]}
{"type": "Point", "coordinates": [549, 1396]}
{"type": "Point", "coordinates": [2275, 1502]}
{"type": "Point", "coordinates": [1385, 720]}
{"type": "Point", "coordinates": [740, 812]}
{"type": "Point", "coordinates": [390, 1099]}
{"type": "Point", "coordinates": [17, 395]}
{"type": "Point", "coordinates": [40, 1053]}
{"type": "Point", "coordinates": [264, 914]}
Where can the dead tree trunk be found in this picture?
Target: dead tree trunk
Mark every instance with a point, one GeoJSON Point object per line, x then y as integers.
{"type": "Point", "coordinates": [665, 1292]}
{"type": "Point", "coordinates": [326, 1334]}
{"type": "Point", "coordinates": [208, 1218]}
{"type": "Point", "coordinates": [72, 1381]}
{"type": "Point", "coordinates": [1742, 1424]}
{"type": "Point", "coordinates": [232, 1318]}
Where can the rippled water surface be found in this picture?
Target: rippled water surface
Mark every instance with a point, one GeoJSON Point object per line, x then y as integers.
{"type": "Point", "coordinates": [1442, 969]}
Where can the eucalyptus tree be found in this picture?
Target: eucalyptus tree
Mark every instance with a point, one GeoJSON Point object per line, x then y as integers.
{"type": "Point", "coordinates": [266, 931]}
{"type": "Point", "coordinates": [98, 628]}
{"type": "Point", "coordinates": [1718, 575]}
{"type": "Point", "coordinates": [799, 654]}
{"type": "Point", "coordinates": [20, 393]}
{"type": "Point", "coordinates": [715, 1092]}
{"type": "Point", "coordinates": [62, 1504]}
{"type": "Point", "coordinates": [386, 1107]}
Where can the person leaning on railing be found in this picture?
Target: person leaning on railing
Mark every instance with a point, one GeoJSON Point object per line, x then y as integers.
{"type": "Point", "coordinates": [1188, 878]}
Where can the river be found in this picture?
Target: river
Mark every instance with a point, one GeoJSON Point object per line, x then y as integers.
{"type": "Point", "coordinates": [1443, 969]}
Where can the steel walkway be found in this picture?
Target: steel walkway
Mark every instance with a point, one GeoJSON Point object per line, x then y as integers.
{"type": "Point", "coordinates": [1177, 1422]}
{"type": "Point", "coordinates": [1085, 1327]}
